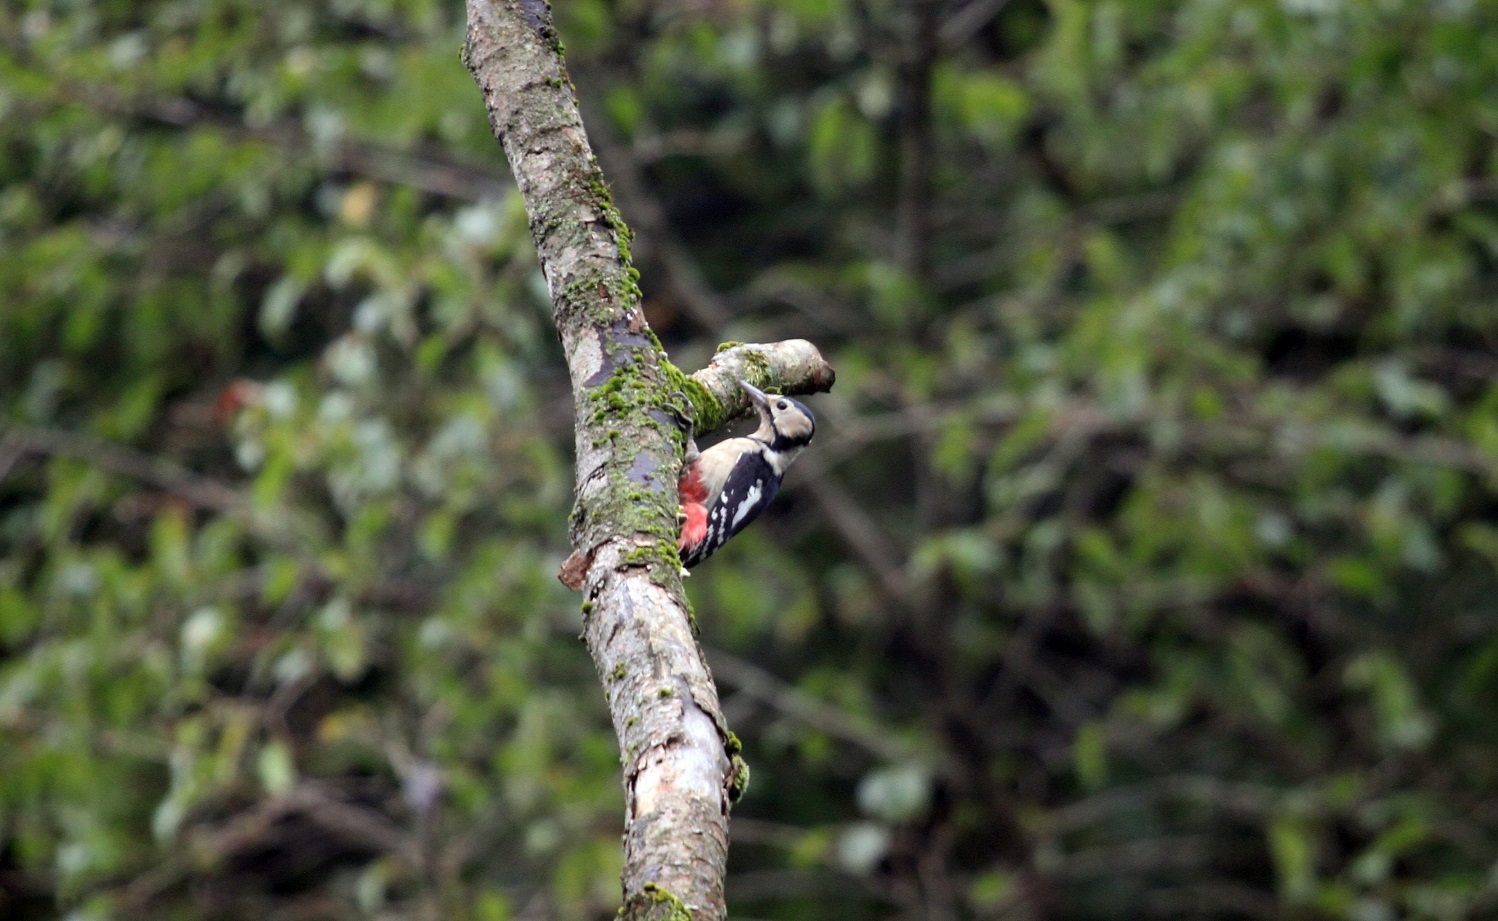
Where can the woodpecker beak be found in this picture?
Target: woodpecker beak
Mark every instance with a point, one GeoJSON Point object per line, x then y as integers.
{"type": "Point", "coordinates": [757, 397]}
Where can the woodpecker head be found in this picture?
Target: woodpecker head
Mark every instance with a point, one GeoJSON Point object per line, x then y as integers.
{"type": "Point", "coordinates": [785, 426]}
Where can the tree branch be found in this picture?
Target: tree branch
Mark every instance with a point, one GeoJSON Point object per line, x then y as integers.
{"type": "Point", "coordinates": [632, 410]}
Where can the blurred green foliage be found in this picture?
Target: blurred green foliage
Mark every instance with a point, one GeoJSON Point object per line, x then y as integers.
{"type": "Point", "coordinates": [1145, 565]}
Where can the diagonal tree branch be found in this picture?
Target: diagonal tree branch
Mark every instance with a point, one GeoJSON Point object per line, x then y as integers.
{"type": "Point", "coordinates": [632, 412]}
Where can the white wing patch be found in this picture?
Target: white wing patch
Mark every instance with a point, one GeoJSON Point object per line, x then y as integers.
{"type": "Point", "coordinates": [747, 507]}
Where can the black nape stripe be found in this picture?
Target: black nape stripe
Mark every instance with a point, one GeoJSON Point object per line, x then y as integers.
{"type": "Point", "coordinates": [783, 442]}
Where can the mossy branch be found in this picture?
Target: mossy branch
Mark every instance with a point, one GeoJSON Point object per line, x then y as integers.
{"type": "Point", "coordinates": [633, 412]}
{"type": "Point", "coordinates": [793, 367]}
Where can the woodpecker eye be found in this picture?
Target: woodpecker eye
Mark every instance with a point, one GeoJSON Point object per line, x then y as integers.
{"type": "Point", "coordinates": [782, 405]}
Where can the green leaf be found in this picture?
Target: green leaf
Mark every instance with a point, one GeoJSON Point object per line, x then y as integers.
{"type": "Point", "coordinates": [279, 307]}
{"type": "Point", "coordinates": [1090, 754]}
{"type": "Point", "coordinates": [1293, 847]}
{"type": "Point", "coordinates": [275, 767]}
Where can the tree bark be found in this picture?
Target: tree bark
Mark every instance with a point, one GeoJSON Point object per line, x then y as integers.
{"type": "Point", "coordinates": [633, 412]}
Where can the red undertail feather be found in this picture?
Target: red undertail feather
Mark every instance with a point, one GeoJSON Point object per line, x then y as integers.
{"type": "Point", "coordinates": [694, 529]}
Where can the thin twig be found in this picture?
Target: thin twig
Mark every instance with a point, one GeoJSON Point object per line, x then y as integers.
{"type": "Point", "coordinates": [792, 702]}
{"type": "Point", "coordinates": [121, 460]}
{"type": "Point", "coordinates": [967, 21]}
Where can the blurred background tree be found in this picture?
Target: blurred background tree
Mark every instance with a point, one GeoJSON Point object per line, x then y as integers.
{"type": "Point", "coordinates": [1144, 566]}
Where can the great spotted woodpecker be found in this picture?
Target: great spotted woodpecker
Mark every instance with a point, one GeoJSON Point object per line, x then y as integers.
{"type": "Point", "coordinates": [728, 485]}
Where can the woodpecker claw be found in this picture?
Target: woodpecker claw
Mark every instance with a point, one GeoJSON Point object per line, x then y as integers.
{"type": "Point", "coordinates": [681, 409]}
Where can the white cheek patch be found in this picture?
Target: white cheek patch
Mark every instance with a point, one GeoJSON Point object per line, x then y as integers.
{"type": "Point", "coordinates": [751, 500]}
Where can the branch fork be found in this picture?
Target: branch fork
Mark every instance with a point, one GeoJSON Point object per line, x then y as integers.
{"type": "Point", "coordinates": [682, 768]}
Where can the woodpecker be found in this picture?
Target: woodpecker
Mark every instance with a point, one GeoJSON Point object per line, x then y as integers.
{"type": "Point", "coordinates": [728, 485]}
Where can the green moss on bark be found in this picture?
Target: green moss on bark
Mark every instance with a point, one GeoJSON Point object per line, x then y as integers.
{"type": "Point", "coordinates": [761, 367]}
{"type": "Point", "coordinates": [738, 781]}
{"type": "Point", "coordinates": [665, 905]}
{"type": "Point", "coordinates": [707, 412]}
